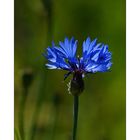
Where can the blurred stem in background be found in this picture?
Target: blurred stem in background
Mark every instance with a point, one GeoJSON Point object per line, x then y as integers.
{"type": "Point", "coordinates": [75, 116]}
{"type": "Point", "coordinates": [56, 100]}
{"type": "Point", "coordinates": [21, 113]}
{"type": "Point", "coordinates": [48, 4]}
{"type": "Point", "coordinates": [16, 134]}
{"type": "Point", "coordinates": [35, 116]}
{"type": "Point", "coordinates": [27, 78]}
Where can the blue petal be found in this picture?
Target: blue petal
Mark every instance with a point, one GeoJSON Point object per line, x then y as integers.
{"type": "Point", "coordinates": [91, 46]}
{"type": "Point", "coordinates": [51, 66]}
{"type": "Point", "coordinates": [94, 67]}
{"type": "Point", "coordinates": [63, 57]}
{"type": "Point", "coordinates": [96, 58]}
{"type": "Point", "coordinates": [86, 45]}
{"type": "Point", "coordinates": [68, 48]}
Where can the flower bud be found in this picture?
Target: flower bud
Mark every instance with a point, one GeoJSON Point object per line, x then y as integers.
{"type": "Point", "coordinates": [27, 77]}
{"type": "Point", "coordinates": [76, 85]}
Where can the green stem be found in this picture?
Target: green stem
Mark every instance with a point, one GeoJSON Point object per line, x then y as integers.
{"type": "Point", "coordinates": [75, 116]}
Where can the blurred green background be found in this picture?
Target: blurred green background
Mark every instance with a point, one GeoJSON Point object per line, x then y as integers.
{"type": "Point", "coordinates": [43, 107]}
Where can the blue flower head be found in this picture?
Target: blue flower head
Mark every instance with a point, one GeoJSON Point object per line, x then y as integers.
{"type": "Point", "coordinates": [95, 57]}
